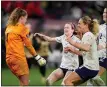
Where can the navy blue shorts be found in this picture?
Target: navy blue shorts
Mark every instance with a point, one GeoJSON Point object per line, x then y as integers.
{"type": "Point", "coordinates": [64, 70]}
{"type": "Point", "coordinates": [86, 73]}
{"type": "Point", "coordinates": [103, 62]}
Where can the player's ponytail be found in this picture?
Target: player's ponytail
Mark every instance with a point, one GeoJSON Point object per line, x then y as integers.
{"type": "Point", "coordinates": [15, 15]}
{"type": "Point", "coordinates": [94, 26]}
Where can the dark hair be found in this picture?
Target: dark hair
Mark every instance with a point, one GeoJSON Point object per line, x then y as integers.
{"type": "Point", "coordinates": [72, 25]}
{"type": "Point", "coordinates": [93, 24]}
{"type": "Point", "coordinates": [15, 15]}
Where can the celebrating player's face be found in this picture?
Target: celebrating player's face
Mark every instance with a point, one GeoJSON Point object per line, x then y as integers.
{"type": "Point", "coordinates": [24, 19]}
{"type": "Point", "coordinates": [105, 15]}
{"type": "Point", "coordinates": [68, 31]}
{"type": "Point", "coordinates": [81, 25]}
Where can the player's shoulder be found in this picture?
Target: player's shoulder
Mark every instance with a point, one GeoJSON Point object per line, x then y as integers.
{"type": "Point", "coordinates": [102, 25]}
{"type": "Point", "coordinates": [9, 28]}
{"type": "Point", "coordinates": [88, 34]}
{"type": "Point", "coordinates": [22, 28]}
{"type": "Point", "coordinates": [62, 36]}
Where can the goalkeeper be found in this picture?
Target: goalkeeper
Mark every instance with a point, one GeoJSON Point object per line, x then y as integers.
{"type": "Point", "coordinates": [16, 38]}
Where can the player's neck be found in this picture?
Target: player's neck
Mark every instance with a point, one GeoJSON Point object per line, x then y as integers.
{"type": "Point", "coordinates": [20, 22]}
{"type": "Point", "coordinates": [69, 35]}
{"type": "Point", "coordinates": [86, 30]}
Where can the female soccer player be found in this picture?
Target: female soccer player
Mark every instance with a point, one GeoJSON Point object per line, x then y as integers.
{"type": "Point", "coordinates": [90, 67]}
{"type": "Point", "coordinates": [69, 60]}
{"type": "Point", "coordinates": [102, 52]}
{"type": "Point", "coordinates": [16, 38]}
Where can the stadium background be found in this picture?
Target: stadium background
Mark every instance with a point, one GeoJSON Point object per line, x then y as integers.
{"type": "Point", "coordinates": [47, 17]}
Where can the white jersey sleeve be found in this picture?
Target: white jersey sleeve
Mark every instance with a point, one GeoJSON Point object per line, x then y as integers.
{"type": "Point", "coordinates": [59, 39]}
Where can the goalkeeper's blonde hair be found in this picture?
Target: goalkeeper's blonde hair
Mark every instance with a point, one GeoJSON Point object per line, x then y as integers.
{"type": "Point", "coordinates": [15, 16]}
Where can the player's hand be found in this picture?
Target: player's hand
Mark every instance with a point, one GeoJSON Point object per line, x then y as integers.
{"type": "Point", "coordinates": [41, 61]}
{"type": "Point", "coordinates": [38, 34]}
{"type": "Point", "coordinates": [68, 49]}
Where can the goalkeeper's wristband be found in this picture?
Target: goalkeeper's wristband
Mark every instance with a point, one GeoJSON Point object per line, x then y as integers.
{"type": "Point", "coordinates": [37, 57]}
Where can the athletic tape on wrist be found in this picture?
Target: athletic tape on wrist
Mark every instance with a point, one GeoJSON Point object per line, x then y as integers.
{"type": "Point", "coordinates": [37, 57]}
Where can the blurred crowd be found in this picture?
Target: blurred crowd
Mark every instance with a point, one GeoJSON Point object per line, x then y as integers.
{"type": "Point", "coordinates": [55, 9]}
{"type": "Point", "coordinates": [49, 17]}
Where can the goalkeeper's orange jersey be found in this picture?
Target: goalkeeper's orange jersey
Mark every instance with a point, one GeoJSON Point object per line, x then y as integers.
{"type": "Point", "coordinates": [16, 38]}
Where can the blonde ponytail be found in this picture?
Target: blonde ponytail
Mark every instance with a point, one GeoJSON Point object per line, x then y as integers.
{"type": "Point", "coordinates": [95, 28]}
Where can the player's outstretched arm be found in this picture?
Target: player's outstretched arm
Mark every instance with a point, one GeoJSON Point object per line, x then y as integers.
{"type": "Point", "coordinates": [47, 38]}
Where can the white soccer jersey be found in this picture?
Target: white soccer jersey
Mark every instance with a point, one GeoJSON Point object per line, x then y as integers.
{"type": "Point", "coordinates": [90, 58]}
{"type": "Point", "coordinates": [102, 40]}
{"type": "Point", "coordinates": [69, 60]}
